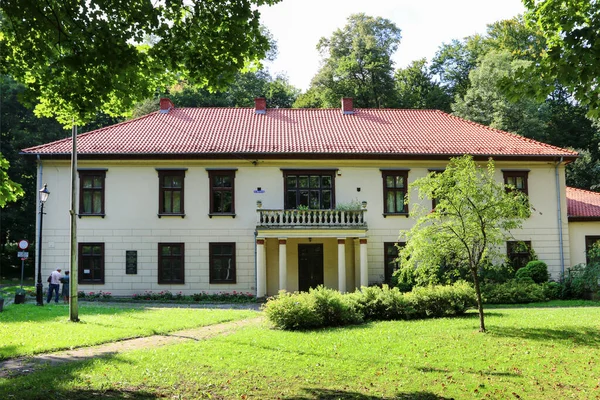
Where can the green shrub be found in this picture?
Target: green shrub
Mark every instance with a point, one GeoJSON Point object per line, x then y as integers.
{"type": "Point", "coordinates": [441, 301]}
{"type": "Point", "coordinates": [536, 270]}
{"type": "Point", "coordinates": [496, 273]}
{"type": "Point", "coordinates": [292, 311]}
{"type": "Point", "coordinates": [515, 291]}
{"type": "Point", "coordinates": [581, 281]}
{"type": "Point", "coordinates": [383, 303]}
{"type": "Point", "coordinates": [552, 290]}
{"type": "Point", "coordinates": [333, 308]}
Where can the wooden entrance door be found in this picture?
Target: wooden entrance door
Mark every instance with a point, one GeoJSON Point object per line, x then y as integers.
{"type": "Point", "coordinates": [310, 266]}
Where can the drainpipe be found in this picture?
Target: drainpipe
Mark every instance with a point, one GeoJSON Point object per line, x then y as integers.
{"type": "Point", "coordinates": [255, 265]}
{"type": "Point", "coordinates": [559, 220]}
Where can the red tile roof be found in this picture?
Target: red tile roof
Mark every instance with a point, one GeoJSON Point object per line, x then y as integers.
{"type": "Point", "coordinates": [316, 132]}
{"type": "Point", "coordinates": [582, 204]}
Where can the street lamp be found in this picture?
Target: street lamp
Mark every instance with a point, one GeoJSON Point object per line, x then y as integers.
{"type": "Point", "coordinates": [39, 295]}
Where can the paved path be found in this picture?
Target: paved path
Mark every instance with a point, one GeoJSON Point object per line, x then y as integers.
{"type": "Point", "coordinates": [25, 365]}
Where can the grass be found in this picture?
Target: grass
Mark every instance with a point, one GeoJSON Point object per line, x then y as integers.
{"type": "Point", "coordinates": [27, 329]}
{"type": "Point", "coordinates": [549, 353]}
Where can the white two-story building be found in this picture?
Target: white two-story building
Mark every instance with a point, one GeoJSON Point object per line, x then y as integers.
{"type": "Point", "coordinates": [258, 200]}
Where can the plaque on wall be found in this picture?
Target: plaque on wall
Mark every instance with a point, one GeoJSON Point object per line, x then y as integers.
{"type": "Point", "coordinates": [131, 262]}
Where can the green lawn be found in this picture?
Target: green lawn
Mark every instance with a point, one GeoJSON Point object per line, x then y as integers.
{"type": "Point", "coordinates": [27, 329]}
{"type": "Point", "coordinates": [548, 353]}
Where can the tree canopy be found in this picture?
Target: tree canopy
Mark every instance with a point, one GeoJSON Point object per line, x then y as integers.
{"type": "Point", "coordinates": [77, 58]}
{"type": "Point", "coordinates": [471, 221]}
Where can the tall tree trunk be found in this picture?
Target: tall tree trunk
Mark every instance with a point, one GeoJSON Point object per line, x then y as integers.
{"type": "Point", "coordinates": [479, 301]}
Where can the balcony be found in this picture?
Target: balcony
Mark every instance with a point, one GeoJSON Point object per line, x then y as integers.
{"type": "Point", "coordinates": [307, 219]}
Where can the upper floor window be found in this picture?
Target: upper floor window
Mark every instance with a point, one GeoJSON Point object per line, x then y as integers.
{"type": "Point", "coordinates": [171, 263]}
{"type": "Point", "coordinates": [390, 256]}
{"type": "Point", "coordinates": [518, 253]}
{"type": "Point", "coordinates": [222, 262]}
{"type": "Point", "coordinates": [91, 193]}
{"type": "Point", "coordinates": [91, 263]}
{"type": "Point", "coordinates": [171, 191]}
{"type": "Point", "coordinates": [222, 191]}
{"type": "Point", "coordinates": [312, 189]}
{"type": "Point", "coordinates": [395, 185]}
{"type": "Point", "coordinates": [517, 179]}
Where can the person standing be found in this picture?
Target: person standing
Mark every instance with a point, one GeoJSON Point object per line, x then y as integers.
{"type": "Point", "coordinates": [54, 284]}
{"type": "Point", "coordinates": [65, 287]}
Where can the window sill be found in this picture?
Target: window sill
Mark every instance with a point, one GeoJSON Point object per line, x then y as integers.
{"type": "Point", "coordinates": [232, 215]}
{"type": "Point", "coordinates": [91, 215]}
{"type": "Point", "coordinates": [171, 215]}
{"type": "Point", "coordinates": [222, 282]}
{"type": "Point", "coordinates": [385, 215]}
{"type": "Point", "coordinates": [171, 283]}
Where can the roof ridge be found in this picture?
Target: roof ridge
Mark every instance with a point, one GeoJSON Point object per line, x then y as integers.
{"type": "Point", "coordinates": [509, 133]}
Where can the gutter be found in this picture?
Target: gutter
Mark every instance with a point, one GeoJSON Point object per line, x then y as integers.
{"type": "Point", "coordinates": [559, 219]}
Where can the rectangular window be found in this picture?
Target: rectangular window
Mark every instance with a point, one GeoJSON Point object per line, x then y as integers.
{"type": "Point", "coordinates": [312, 189]}
{"type": "Point", "coordinates": [222, 262]}
{"type": "Point", "coordinates": [390, 256]}
{"type": "Point", "coordinates": [589, 243]}
{"type": "Point", "coordinates": [91, 263]}
{"type": "Point", "coordinates": [170, 263]}
{"type": "Point", "coordinates": [395, 184]}
{"type": "Point", "coordinates": [91, 193]}
{"type": "Point", "coordinates": [517, 179]}
{"type": "Point", "coordinates": [171, 192]}
{"type": "Point", "coordinates": [222, 193]}
{"type": "Point", "coordinates": [518, 253]}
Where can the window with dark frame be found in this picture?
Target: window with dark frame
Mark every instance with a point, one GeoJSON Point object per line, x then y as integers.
{"type": "Point", "coordinates": [390, 255]}
{"type": "Point", "coordinates": [222, 191]}
{"type": "Point", "coordinates": [91, 263]}
{"type": "Point", "coordinates": [518, 253]}
{"type": "Point", "coordinates": [171, 192]}
{"type": "Point", "coordinates": [589, 243]}
{"type": "Point", "coordinates": [395, 184]}
{"type": "Point", "coordinates": [222, 263]}
{"type": "Point", "coordinates": [171, 263]}
{"type": "Point", "coordinates": [312, 189]}
{"type": "Point", "coordinates": [91, 193]}
{"type": "Point", "coordinates": [517, 179]}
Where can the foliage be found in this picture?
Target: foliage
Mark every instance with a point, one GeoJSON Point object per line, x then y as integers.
{"type": "Point", "coordinates": [536, 270]}
{"type": "Point", "coordinates": [9, 191]}
{"type": "Point", "coordinates": [471, 221]}
{"type": "Point", "coordinates": [584, 173]}
{"type": "Point", "coordinates": [76, 60]}
{"type": "Point", "coordinates": [94, 296]}
{"type": "Point", "coordinates": [514, 291]}
{"type": "Point", "coordinates": [357, 62]}
{"type": "Point", "coordinates": [497, 273]}
{"type": "Point", "coordinates": [202, 297]}
{"type": "Point", "coordinates": [571, 55]}
{"type": "Point", "coordinates": [323, 307]}
{"type": "Point", "coordinates": [580, 281]}
{"type": "Point", "coordinates": [417, 89]}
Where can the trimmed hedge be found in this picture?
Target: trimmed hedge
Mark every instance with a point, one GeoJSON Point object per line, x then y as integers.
{"type": "Point", "coordinates": [517, 291]}
{"type": "Point", "coordinates": [323, 307]}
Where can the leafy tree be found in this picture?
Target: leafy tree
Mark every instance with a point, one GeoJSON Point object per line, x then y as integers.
{"type": "Point", "coordinates": [584, 173]}
{"type": "Point", "coordinates": [9, 191]}
{"type": "Point", "coordinates": [310, 99]}
{"type": "Point", "coordinates": [77, 58]}
{"type": "Point", "coordinates": [357, 62]}
{"type": "Point", "coordinates": [471, 221]}
{"type": "Point", "coordinates": [572, 50]}
{"type": "Point", "coordinates": [417, 89]}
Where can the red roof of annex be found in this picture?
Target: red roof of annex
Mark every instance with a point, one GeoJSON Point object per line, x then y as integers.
{"type": "Point", "coordinates": [583, 204]}
{"type": "Point", "coordinates": [222, 131]}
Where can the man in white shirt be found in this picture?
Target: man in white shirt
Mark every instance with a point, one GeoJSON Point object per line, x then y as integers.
{"type": "Point", "coordinates": [54, 285]}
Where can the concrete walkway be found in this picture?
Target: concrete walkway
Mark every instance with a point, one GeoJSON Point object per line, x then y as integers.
{"type": "Point", "coordinates": [26, 365]}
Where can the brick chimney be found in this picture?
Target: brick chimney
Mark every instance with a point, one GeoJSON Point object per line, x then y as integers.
{"type": "Point", "coordinates": [165, 105]}
{"type": "Point", "coordinates": [347, 106]}
{"type": "Point", "coordinates": [260, 105]}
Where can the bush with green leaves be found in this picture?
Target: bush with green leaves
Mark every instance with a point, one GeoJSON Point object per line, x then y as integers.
{"type": "Point", "coordinates": [326, 307]}
{"type": "Point", "coordinates": [581, 281]}
{"type": "Point", "coordinates": [536, 270]}
{"type": "Point", "coordinates": [514, 291]}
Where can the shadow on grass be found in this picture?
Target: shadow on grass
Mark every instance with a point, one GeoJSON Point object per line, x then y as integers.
{"type": "Point", "coordinates": [582, 336]}
{"type": "Point", "coordinates": [325, 394]}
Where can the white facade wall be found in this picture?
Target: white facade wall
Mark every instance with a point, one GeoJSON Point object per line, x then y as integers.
{"type": "Point", "coordinates": [131, 222]}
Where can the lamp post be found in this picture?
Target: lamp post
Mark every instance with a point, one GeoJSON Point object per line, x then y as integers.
{"type": "Point", "coordinates": [39, 296]}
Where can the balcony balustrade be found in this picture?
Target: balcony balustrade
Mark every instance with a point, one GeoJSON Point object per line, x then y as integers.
{"type": "Point", "coordinates": [311, 218]}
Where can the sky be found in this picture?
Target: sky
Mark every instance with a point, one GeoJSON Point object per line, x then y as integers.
{"type": "Point", "coordinates": [297, 25]}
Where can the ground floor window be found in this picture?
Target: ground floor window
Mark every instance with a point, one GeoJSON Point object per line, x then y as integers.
{"type": "Point", "coordinates": [171, 263]}
{"type": "Point", "coordinates": [91, 263]}
{"type": "Point", "coordinates": [518, 253]}
{"type": "Point", "coordinates": [222, 262]}
{"type": "Point", "coordinates": [589, 243]}
{"type": "Point", "coordinates": [390, 256]}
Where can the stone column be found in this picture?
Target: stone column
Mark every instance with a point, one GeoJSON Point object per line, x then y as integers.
{"type": "Point", "coordinates": [342, 265]}
{"type": "Point", "coordinates": [364, 263]}
{"type": "Point", "coordinates": [261, 269]}
{"type": "Point", "coordinates": [282, 264]}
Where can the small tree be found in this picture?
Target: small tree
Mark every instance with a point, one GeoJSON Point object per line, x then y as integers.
{"type": "Point", "coordinates": [470, 223]}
